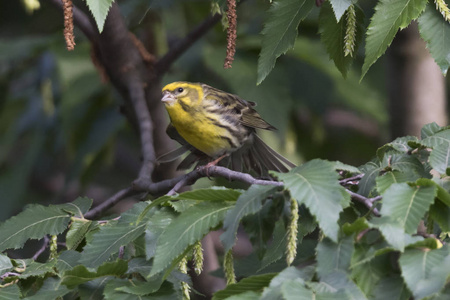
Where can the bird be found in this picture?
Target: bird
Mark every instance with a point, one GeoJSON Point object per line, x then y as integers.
{"type": "Point", "coordinates": [218, 128]}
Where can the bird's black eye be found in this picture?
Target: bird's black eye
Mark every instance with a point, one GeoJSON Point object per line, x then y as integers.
{"type": "Point", "coordinates": [180, 90]}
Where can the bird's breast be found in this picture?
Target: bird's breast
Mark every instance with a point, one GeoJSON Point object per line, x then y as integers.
{"type": "Point", "coordinates": [208, 132]}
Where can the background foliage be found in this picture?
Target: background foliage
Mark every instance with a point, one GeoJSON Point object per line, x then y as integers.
{"type": "Point", "coordinates": [377, 231]}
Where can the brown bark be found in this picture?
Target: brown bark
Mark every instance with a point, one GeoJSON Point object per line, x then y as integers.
{"type": "Point", "coordinates": [416, 85]}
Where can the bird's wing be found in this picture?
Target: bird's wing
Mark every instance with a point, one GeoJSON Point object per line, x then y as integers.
{"type": "Point", "coordinates": [235, 105]}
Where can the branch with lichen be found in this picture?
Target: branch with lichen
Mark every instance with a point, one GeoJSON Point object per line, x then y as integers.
{"type": "Point", "coordinates": [231, 33]}
{"type": "Point", "coordinates": [68, 24]}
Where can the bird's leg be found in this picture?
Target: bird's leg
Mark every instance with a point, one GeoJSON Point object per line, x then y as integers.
{"type": "Point", "coordinates": [213, 163]}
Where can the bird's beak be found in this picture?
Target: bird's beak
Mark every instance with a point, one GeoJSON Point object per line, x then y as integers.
{"type": "Point", "coordinates": [168, 97]}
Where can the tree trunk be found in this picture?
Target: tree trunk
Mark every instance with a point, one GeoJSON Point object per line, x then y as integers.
{"type": "Point", "coordinates": [415, 84]}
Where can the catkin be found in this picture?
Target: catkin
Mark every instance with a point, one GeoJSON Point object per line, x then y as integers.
{"type": "Point", "coordinates": [350, 31]}
{"type": "Point", "coordinates": [292, 231]}
{"type": "Point", "coordinates": [228, 266]}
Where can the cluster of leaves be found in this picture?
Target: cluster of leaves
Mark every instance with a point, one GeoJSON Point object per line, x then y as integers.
{"type": "Point", "coordinates": [342, 250]}
{"type": "Point", "coordinates": [342, 27]}
{"type": "Point", "coordinates": [341, 24]}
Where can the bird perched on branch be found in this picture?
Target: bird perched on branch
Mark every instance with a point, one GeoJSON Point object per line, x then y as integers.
{"type": "Point", "coordinates": [218, 128]}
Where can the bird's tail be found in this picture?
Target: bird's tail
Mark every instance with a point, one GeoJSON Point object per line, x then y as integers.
{"type": "Point", "coordinates": [258, 157]}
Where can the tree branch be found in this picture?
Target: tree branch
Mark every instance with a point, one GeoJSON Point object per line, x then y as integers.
{"type": "Point", "coordinates": [42, 249]}
{"type": "Point", "coordinates": [351, 180]}
{"type": "Point", "coordinates": [110, 202]}
{"type": "Point", "coordinates": [368, 202]}
{"type": "Point", "coordinates": [137, 97]}
{"type": "Point", "coordinates": [173, 185]}
{"type": "Point", "coordinates": [217, 171]}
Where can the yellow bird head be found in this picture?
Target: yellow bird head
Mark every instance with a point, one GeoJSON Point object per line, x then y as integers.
{"type": "Point", "coordinates": [181, 92]}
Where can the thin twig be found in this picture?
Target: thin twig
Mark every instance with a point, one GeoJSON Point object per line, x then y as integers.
{"type": "Point", "coordinates": [368, 202]}
{"type": "Point", "coordinates": [105, 205]}
{"type": "Point", "coordinates": [351, 180]}
{"type": "Point", "coordinates": [42, 249]}
{"type": "Point", "coordinates": [8, 274]}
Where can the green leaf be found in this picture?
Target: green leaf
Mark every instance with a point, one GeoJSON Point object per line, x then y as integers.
{"type": "Point", "coordinates": [429, 129]}
{"type": "Point", "coordinates": [392, 288]}
{"type": "Point", "coordinates": [248, 203]}
{"type": "Point", "coordinates": [340, 6]}
{"type": "Point", "coordinates": [440, 213]}
{"type": "Point", "coordinates": [254, 283]}
{"type": "Point", "coordinates": [393, 232]}
{"type": "Point", "coordinates": [107, 241]}
{"type": "Point", "coordinates": [315, 184]}
{"type": "Point", "coordinates": [442, 295]}
{"type": "Point", "coordinates": [35, 269]}
{"type": "Point", "coordinates": [77, 231]}
{"type": "Point", "coordinates": [357, 226]}
{"type": "Point", "coordinates": [400, 144]}
{"type": "Point", "coordinates": [405, 163]}
{"type": "Point", "coordinates": [387, 179]}
{"type": "Point", "coordinates": [34, 222]}
{"type": "Point", "coordinates": [425, 272]}
{"type": "Point", "coordinates": [78, 207]}
{"type": "Point", "coordinates": [367, 183]}
{"type": "Point", "coordinates": [442, 193]}
{"type": "Point", "coordinates": [274, 290]}
{"type": "Point", "coordinates": [189, 227]}
{"type": "Point", "coordinates": [114, 291]}
{"type": "Point", "coordinates": [339, 280]}
{"type": "Point", "coordinates": [367, 274]}
{"type": "Point", "coordinates": [139, 265]}
{"type": "Point", "coordinates": [80, 274]}
{"type": "Point", "coordinates": [440, 158]}
{"type": "Point", "coordinates": [277, 247]}
{"type": "Point", "coordinates": [437, 139]}
{"type": "Point", "coordinates": [99, 9]}
{"type": "Point", "coordinates": [249, 295]}
{"type": "Point", "coordinates": [333, 33]}
{"type": "Point", "coordinates": [210, 194]}
{"type": "Point", "coordinates": [10, 292]}
{"type": "Point", "coordinates": [407, 205]}
{"type": "Point", "coordinates": [294, 289]}
{"type": "Point", "coordinates": [51, 289]}
{"type": "Point", "coordinates": [141, 288]}
{"type": "Point", "coordinates": [280, 31]}
{"type": "Point", "coordinates": [5, 264]}
{"type": "Point", "coordinates": [440, 155]}
{"type": "Point", "coordinates": [389, 17]}
{"type": "Point", "coordinates": [435, 30]}
{"type": "Point", "coordinates": [130, 216]}
{"type": "Point", "coordinates": [333, 256]}
{"type": "Point", "coordinates": [155, 227]}
{"type": "Point", "coordinates": [67, 260]}
{"type": "Point", "coordinates": [344, 167]}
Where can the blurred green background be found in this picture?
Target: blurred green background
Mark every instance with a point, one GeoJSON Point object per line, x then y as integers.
{"type": "Point", "coordinates": [62, 134]}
